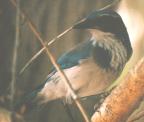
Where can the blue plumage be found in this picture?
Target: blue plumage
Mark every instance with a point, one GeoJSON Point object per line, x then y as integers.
{"type": "Point", "coordinates": [73, 56]}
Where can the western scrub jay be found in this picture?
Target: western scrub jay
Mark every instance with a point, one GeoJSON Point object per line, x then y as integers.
{"type": "Point", "coordinates": [92, 65]}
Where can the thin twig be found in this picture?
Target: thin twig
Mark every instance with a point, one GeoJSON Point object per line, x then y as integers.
{"type": "Point", "coordinates": [110, 5]}
{"type": "Point", "coordinates": [41, 50]}
{"type": "Point", "coordinates": [49, 43]}
{"type": "Point", "coordinates": [14, 60]}
{"type": "Point", "coordinates": [59, 36]}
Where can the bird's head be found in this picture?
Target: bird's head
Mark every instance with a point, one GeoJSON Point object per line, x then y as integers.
{"type": "Point", "coordinates": [105, 20]}
{"type": "Point", "coordinates": [108, 21]}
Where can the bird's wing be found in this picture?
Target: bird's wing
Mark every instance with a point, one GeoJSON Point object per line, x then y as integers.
{"type": "Point", "coordinates": [75, 55]}
{"type": "Point", "coordinates": [72, 57]}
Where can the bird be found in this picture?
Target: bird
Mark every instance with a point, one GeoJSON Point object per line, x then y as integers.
{"type": "Point", "coordinates": [92, 65]}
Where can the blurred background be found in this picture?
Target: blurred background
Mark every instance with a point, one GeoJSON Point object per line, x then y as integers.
{"type": "Point", "coordinates": [52, 17]}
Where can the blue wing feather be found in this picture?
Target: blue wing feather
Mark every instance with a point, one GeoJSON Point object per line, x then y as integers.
{"type": "Point", "coordinates": [72, 57]}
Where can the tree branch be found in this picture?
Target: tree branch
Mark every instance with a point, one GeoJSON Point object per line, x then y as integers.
{"type": "Point", "coordinates": [124, 99]}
